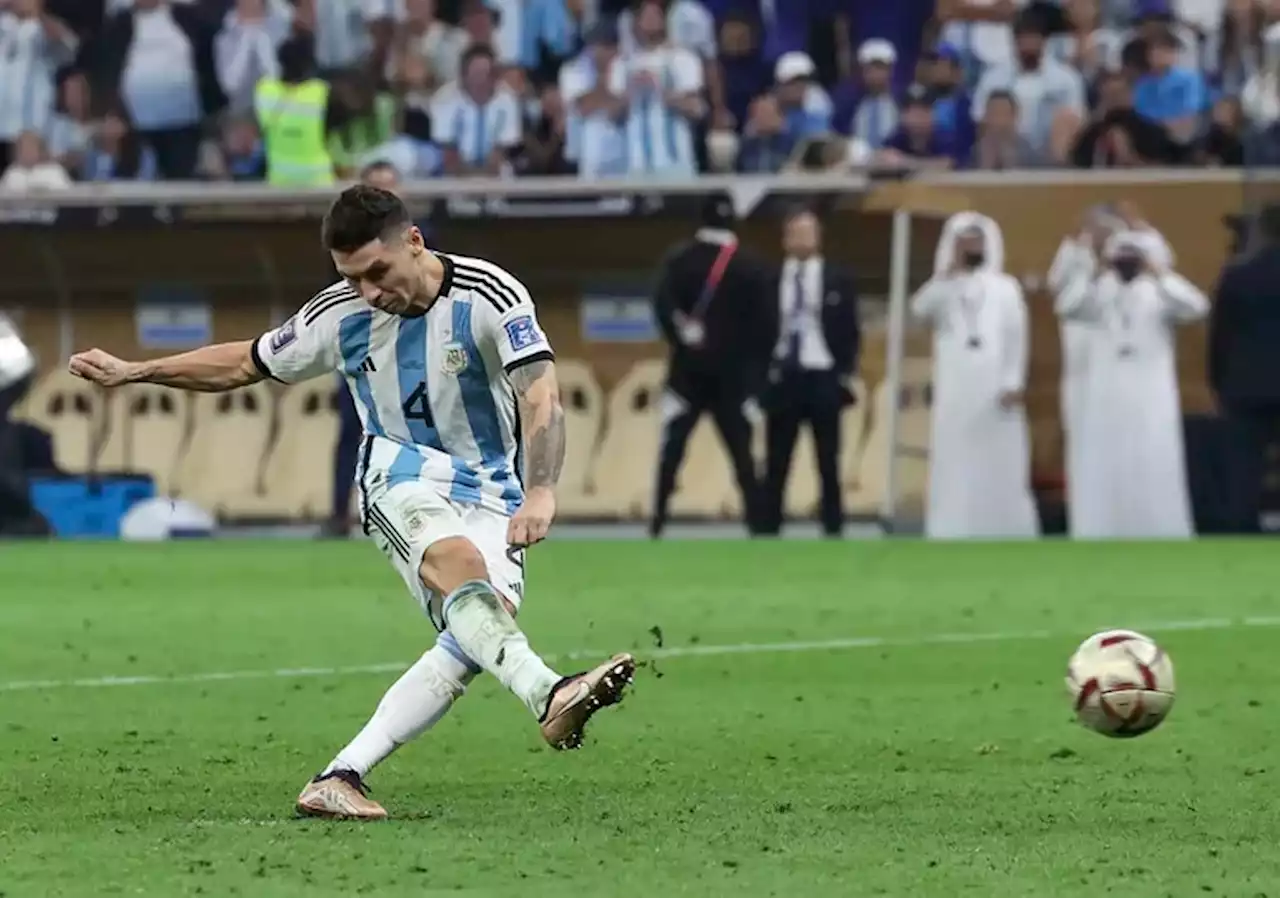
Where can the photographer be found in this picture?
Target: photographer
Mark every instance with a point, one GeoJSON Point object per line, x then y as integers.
{"type": "Point", "coordinates": [1129, 458]}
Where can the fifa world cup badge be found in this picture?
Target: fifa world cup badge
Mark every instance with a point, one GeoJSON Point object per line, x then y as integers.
{"type": "Point", "coordinates": [455, 359]}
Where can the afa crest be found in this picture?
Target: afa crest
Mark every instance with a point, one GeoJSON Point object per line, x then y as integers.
{"type": "Point", "coordinates": [455, 359]}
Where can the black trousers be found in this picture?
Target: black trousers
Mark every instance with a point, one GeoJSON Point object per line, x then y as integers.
{"type": "Point", "coordinates": [723, 400]}
{"type": "Point", "coordinates": [15, 502]}
{"type": "Point", "coordinates": [177, 151]}
{"type": "Point", "coordinates": [1255, 430]}
{"type": "Point", "coordinates": [815, 398]}
{"type": "Point", "coordinates": [346, 454]}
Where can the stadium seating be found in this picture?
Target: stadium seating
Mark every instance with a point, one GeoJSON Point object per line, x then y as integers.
{"type": "Point", "coordinates": [147, 430]}
{"type": "Point", "coordinates": [584, 406]}
{"type": "Point", "coordinates": [299, 467]}
{"type": "Point", "coordinates": [624, 468]}
{"type": "Point", "coordinates": [222, 469]}
{"type": "Point", "coordinates": [73, 412]}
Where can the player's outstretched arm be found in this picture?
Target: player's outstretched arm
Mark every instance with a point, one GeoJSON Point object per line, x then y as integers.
{"type": "Point", "coordinates": [542, 420]}
{"type": "Point", "coordinates": [209, 369]}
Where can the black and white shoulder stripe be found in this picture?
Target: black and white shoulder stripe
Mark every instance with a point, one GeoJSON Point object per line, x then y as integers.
{"type": "Point", "coordinates": [326, 300]}
{"type": "Point", "coordinates": [494, 284]}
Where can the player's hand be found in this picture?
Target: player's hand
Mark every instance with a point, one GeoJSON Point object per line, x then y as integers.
{"type": "Point", "coordinates": [531, 522]}
{"type": "Point", "coordinates": [102, 368]}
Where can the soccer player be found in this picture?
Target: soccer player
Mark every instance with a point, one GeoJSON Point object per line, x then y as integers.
{"type": "Point", "coordinates": [447, 366]}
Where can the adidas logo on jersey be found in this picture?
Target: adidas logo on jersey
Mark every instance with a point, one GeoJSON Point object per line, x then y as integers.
{"type": "Point", "coordinates": [367, 366]}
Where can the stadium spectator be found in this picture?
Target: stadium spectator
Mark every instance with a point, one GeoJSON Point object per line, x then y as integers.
{"type": "Point", "coordinates": [1243, 364]}
{"type": "Point", "coordinates": [117, 154]}
{"type": "Point", "coordinates": [348, 33]}
{"type": "Point", "coordinates": [31, 169]}
{"type": "Point", "coordinates": [866, 108]}
{"type": "Point", "coordinates": [240, 154]}
{"type": "Point", "coordinates": [1223, 143]}
{"type": "Point", "coordinates": [662, 84]}
{"type": "Point", "coordinates": [999, 145]}
{"type": "Point", "coordinates": [478, 123]}
{"type": "Point", "coordinates": [1153, 19]}
{"type": "Point", "coordinates": [1117, 137]}
{"type": "Point", "coordinates": [979, 447]}
{"type": "Point", "coordinates": [294, 113]}
{"type": "Point", "coordinates": [244, 50]}
{"type": "Point", "coordinates": [361, 119]}
{"type": "Point", "coordinates": [439, 44]}
{"type": "Point", "coordinates": [805, 106]}
{"type": "Point", "coordinates": [33, 46]}
{"type": "Point", "coordinates": [917, 143]}
{"type": "Point", "coordinates": [981, 28]}
{"type": "Point", "coordinates": [1086, 43]}
{"type": "Point", "coordinates": [158, 57]}
{"type": "Point", "coordinates": [1050, 95]}
{"type": "Point", "coordinates": [766, 145]}
{"type": "Point", "coordinates": [1260, 99]}
{"type": "Point", "coordinates": [479, 25]}
{"type": "Point", "coordinates": [594, 141]}
{"type": "Point", "coordinates": [746, 74]}
{"type": "Point", "coordinates": [412, 150]}
{"type": "Point", "coordinates": [545, 130]}
{"type": "Point", "coordinates": [1171, 95]}
{"type": "Point", "coordinates": [692, 27]}
{"type": "Point", "coordinates": [550, 33]}
{"type": "Point", "coordinates": [1240, 44]}
{"type": "Point", "coordinates": [952, 105]}
{"type": "Point", "coordinates": [71, 128]}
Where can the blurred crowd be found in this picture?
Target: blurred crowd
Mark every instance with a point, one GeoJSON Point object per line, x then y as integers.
{"type": "Point", "coordinates": [298, 92]}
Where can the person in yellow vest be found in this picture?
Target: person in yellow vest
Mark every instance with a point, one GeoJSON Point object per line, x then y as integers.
{"type": "Point", "coordinates": [292, 111]}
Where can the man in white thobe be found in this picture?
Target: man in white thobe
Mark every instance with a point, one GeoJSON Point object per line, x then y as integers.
{"type": "Point", "coordinates": [1129, 456]}
{"type": "Point", "coordinates": [1077, 336]}
{"type": "Point", "coordinates": [980, 456]}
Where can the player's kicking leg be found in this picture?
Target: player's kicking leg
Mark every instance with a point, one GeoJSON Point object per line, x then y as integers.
{"type": "Point", "coordinates": [481, 626]}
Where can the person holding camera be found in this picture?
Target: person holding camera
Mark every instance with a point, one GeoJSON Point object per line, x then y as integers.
{"type": "Point", "coordinates": [1129, 453]}
{"type": "Point", "coordinates": [980, 449]}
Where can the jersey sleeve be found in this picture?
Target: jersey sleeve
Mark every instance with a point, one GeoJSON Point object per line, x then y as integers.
{"type": "Point", "coordinates": [508, 318]}
{"type": "Point", "coordinates": [297, 350]}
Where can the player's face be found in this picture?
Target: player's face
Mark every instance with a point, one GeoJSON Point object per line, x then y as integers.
{"type": "Point", "coordinates": [386, 274]}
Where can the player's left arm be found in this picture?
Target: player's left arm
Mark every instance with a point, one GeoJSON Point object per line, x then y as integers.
{"type": "Point", "coordinates": [529, 361]}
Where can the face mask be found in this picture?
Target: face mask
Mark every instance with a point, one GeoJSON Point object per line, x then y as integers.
{"type": "Point", "coordinates": [973, 258]}
{"type": "Point", "coordinates": [1127, 268]}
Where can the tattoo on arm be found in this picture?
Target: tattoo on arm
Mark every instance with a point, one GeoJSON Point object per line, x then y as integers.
{"type": "Point", "coordinates": [543, 421]}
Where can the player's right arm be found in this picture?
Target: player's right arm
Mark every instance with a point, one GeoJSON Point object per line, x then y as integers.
{"type": "Point", "coordinates": [303, 347]}
{"type": "Point", "coordinates": [209, 369]}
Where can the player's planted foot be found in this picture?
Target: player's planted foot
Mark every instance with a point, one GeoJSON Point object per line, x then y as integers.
{"type": "Point", "coordinates": [575, 698]}
{"type": "Point", "coordinates": [339, 795]}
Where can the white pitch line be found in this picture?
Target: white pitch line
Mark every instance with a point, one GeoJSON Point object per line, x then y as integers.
{"type": "Point", "coordinates": [683, 651]}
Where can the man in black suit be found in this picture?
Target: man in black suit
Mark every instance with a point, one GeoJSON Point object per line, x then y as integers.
{"type": "Point", "coordinates": [1244, 361]}
{"type": "Point", "coordinates": [714, 303]}
{"type": "Point", "coordinates": [814, 361]}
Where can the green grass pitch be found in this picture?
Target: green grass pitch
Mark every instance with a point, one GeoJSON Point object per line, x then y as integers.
{"type": "Point", "coordinates": [916, 765]}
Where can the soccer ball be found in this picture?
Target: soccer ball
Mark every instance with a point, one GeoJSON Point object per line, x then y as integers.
{"type": "Point", "coordinates": [1121, 683]}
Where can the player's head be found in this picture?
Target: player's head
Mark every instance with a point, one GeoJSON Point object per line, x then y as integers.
{"type": "Point", "coordinates": [376, 247]}
{"type": "Point", "coordinates": [801, 234]}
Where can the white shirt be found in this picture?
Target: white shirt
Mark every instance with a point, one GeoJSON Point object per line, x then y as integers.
{"type": "Point", "coordinates": [342, 29]}
{"type": "Point", "coordinates": [16, 360]}
{"type": "Point", "coordinates": [594, 142]}
{"type": "Point", "coordinates": [659, 139]}
{"type": "Point", "coordinates": [245, 52]}
{"type": "Point", "coordinates": [474, 130]}
{"type": "Point", "coordinates": [434, 392]}
{"type": "Point", "coordinates": [689, 25]}
{"type": "Point", "coordinates": [1041, 94]}
{"type": "Point", "coordinates": [159, 80]}
{"type": "Point", "coordinates": [800, 304]}
{"type": "Point", "coordinates": [991, 43]}
{"type": "Point", "coordinates": [28, 61]}
{"type": "Point", "coordinates": [44, 176]}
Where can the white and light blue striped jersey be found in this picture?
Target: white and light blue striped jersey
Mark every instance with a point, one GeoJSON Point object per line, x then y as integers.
{"type": "Point", "coordinates": [342, 35]}
{"type": "Point", "coordinates": [689, 25]}
{"type": "Point", "coordinates": [433, 391]}
{"type": "Point", "coordinates": [592, 142]}
{"type": "Point", "coordinates": [659, 139]}
{"type": "Point", "coordinates": [473, 129]}
{"type": "Point", "coordinates": [29, 58]}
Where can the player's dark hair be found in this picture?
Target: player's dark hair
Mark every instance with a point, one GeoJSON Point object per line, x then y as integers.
{"type": "Point", "coordinates": [362, 214]}
{"type": "Point", "coordinates": [474, 52]}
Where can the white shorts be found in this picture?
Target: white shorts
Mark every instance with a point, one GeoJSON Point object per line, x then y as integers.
{"type": "Point", "coordinates": [406, 519]}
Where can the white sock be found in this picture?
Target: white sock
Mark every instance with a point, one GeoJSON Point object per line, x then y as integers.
{"type": "Point", "coordinates": [414, 703]}
{"type": "Point", "coordinates": [490, 636]}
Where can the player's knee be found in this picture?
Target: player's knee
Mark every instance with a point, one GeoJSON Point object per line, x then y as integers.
{"type": "Point", "coordinates": [451, 562]}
